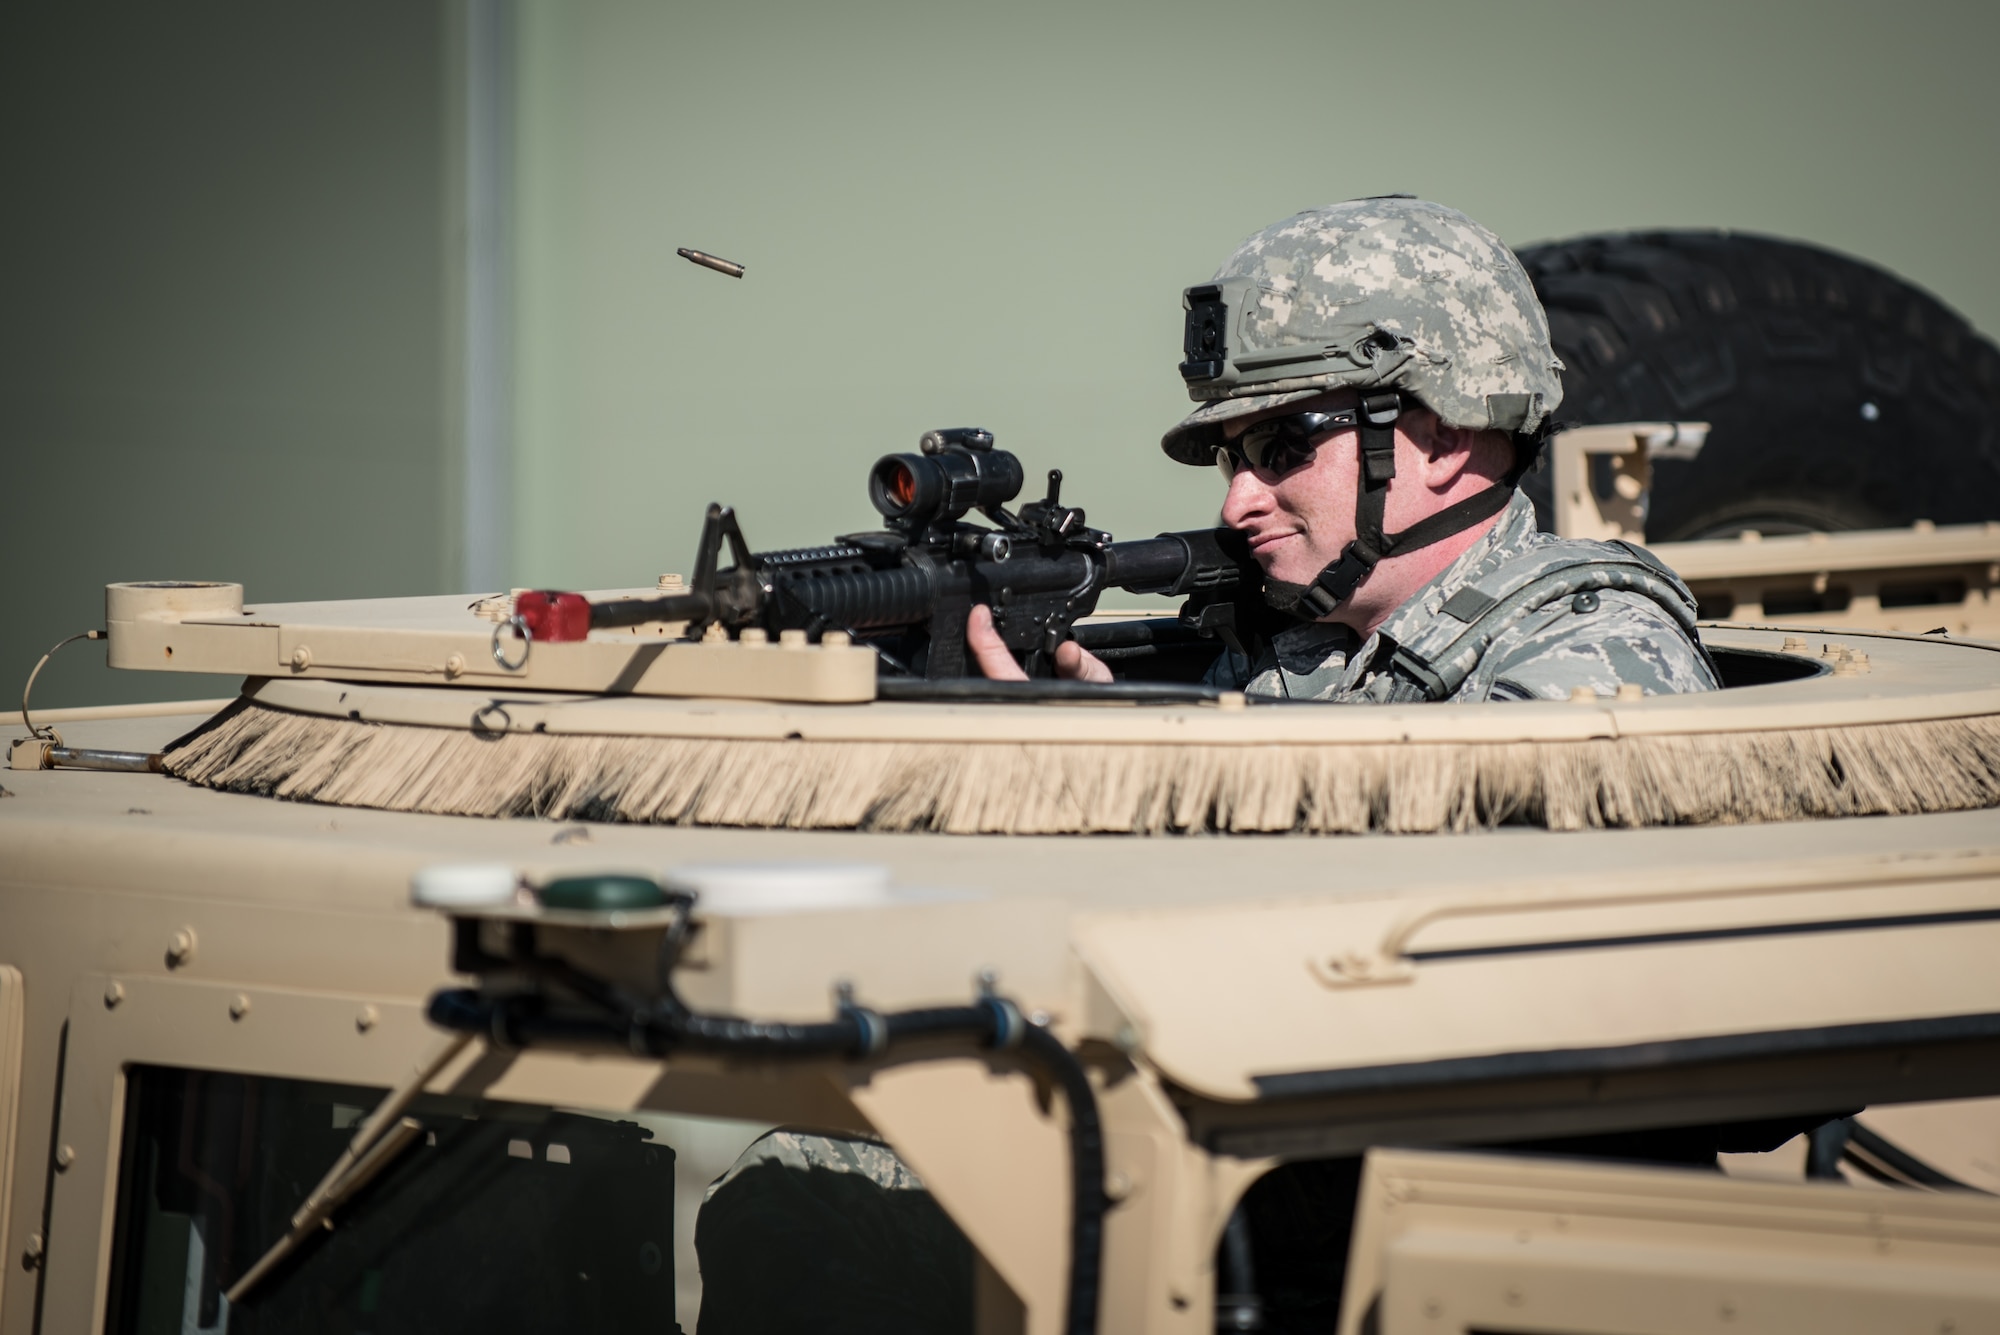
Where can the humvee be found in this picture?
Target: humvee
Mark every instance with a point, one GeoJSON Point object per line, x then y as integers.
{"type": "Point", "coordinates": [1413, 1065]}
{"type": "Point", "coordinates": [637, 982]}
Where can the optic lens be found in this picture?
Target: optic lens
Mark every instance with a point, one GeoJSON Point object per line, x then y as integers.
{"type": "Point", "coordinates": [902, 485]}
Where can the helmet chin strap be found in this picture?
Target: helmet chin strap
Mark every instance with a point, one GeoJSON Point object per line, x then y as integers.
{"type": "Point", "coordinates": [1335, 584]}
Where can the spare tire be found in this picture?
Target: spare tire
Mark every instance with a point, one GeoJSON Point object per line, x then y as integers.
{"type": "Point", "coordinates": [1839, 395]}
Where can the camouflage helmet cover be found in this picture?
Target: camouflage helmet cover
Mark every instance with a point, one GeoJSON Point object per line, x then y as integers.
{"type": "Point", "coordinates": [1388, 292]}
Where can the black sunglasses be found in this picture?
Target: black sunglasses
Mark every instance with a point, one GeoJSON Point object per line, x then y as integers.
{"type": "Point", "coordinates": [1277, 445]}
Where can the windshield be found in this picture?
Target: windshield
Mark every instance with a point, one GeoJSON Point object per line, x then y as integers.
{"type": "Point", "coordinates": [501, 1217]}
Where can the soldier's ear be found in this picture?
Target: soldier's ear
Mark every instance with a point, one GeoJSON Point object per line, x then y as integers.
{"type": "Point", "coordinates": [1431, 434]}
{"type": "Point", "coordinates": [1428, 432]}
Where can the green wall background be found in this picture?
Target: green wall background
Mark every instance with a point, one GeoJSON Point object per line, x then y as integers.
{"type": "Point", "coordinates": [232, 274]}
{"type": "Point", "coordinates": [984, 214]}
{"type": "Point", "coordinates": [223, 314]}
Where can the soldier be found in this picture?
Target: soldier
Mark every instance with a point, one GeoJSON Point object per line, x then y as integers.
{"type": "Point", "coordinates": [1375, 377]}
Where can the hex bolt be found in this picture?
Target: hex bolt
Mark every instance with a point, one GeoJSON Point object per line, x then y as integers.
{"type": "Point", "coordinates": [455, 666]}
{"type": "Point", "coordinates": [180, 947]}
{"type": "Point", "coordinates": [65, 1156]}
{"type": "Point", "coordinates": [31, 1255]}
{"type": "Point", "coordinates": [114, 992]}
{"type": "Point", "coordinates": [239, 1006]}
{"type": "Point", "coordinates": [366, 1018]}
{"type": "Point", "coordinates": [302, 658]}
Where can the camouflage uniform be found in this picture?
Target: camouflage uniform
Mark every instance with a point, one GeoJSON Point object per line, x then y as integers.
{"type": "Point", "coordinates": [807, 1151]}
{"type": "Point", "coordinates": [1394, 293]}
{"type": "Point", "coordinates": [1599, 638]}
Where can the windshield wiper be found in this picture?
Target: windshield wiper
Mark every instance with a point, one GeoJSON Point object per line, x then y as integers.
{"type": "Point", "coordinates": [380, 1139]}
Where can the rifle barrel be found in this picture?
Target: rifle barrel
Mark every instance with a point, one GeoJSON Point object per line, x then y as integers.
{"type": "Point", "coordinates": [637, 611]}
{"type": "Point", "coordinates": [1177, 563]}
{"type": "Point", "coordinates": [1147, 563]}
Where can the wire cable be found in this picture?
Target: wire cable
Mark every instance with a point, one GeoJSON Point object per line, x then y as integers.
{"type": "Point", "coordinates": [48, 734]}
{"type": "Point", "coordinates": [665, 1024]}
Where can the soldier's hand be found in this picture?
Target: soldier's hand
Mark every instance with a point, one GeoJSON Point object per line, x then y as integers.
{"type": "Point", "coordinates": [990, 652]}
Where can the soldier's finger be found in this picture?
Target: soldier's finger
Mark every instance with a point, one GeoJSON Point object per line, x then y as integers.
{"type": "Point", "coordinates": [988, 650]}
{"type": "Point", "coordinates": [1079, 664]}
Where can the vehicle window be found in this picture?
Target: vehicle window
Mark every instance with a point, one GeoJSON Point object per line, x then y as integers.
{"type": "Point", "coordinates": [501, 1217]}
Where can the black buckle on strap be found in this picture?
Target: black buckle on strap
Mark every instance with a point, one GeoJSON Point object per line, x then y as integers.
{"type": "Point", "coordinates": [1420, 671]}
{"type": "Point", "coordinates": [1336, 584]}
{"type": "Point", "coordinates": [1381, 409]}
{"type": "Point", "coordinates": [1378, 414]}
{"type": "Point", "coordinates": [1378, 465]}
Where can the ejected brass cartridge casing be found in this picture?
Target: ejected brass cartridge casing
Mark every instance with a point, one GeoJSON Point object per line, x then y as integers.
{"type": "Point", "coordinates": [715, 262]}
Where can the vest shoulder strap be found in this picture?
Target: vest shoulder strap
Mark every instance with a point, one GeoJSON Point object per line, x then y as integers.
{"type": "Point", "coordinates": [1446, 651]}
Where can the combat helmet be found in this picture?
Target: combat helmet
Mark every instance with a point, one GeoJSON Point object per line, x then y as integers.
{"type": "Point", "coordinates": [1394, 297]}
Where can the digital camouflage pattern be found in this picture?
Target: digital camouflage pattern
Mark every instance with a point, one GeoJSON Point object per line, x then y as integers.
{"type": "Point", "coordinates": [1520, 615]}
{"type": "Point", "coordinates": [806, 1150]}
{"type": "Point", "coordinates": [1388, 292]}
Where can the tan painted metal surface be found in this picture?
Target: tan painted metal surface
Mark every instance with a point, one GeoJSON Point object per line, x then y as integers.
{"type": "Point", "coordinates": [165, 628]}
{"type": "Point", "coordinates": [1583, 509]}
{"type": "Point", "coordinates": [1894, 679]}
{"type": "Point", "coordinates": [148, 709]}
{"type": "Point", "coordinates": [1240, 1000]}
{"type": "Point", "coordinates": [1456, 1242]}
{"type": "Point", "coordinates": [1919, 579]}
{"type": "Point", "coordinates": [302, 911]}
{"type": "Point", "coordinates": [1343, 975]}
{"type": "Point", "coordinates": [12, 1018]}
{"type": "Point", "coordinates": [1915, 579]}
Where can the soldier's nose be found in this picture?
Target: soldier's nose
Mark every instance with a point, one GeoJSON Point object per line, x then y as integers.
{"type": "Point", "coordinates": [1247, 497]}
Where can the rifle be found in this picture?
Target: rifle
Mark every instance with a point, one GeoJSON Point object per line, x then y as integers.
{"type": "Point", "coordinates": [905, 591]}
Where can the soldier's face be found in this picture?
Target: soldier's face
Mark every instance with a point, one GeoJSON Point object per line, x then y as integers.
{"type": "Point", "coordinates": [1300, 520]}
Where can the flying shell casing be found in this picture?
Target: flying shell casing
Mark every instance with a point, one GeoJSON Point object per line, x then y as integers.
{"type": "Point", "coordinates": [715, 262]}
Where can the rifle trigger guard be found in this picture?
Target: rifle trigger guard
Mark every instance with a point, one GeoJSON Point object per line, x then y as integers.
{"type": "Point", "coordinates": [1058, 627]}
